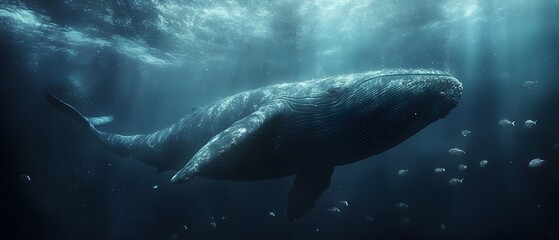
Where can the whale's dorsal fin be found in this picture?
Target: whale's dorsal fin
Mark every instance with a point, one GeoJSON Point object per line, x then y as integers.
{"type": "Point", "coordinates": [307, 188]}
{"type": "Point", "coordinates": [224, 141]}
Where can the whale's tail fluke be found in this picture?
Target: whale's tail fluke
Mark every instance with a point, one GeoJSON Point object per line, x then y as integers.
{"type": "Point", "coordinates": [73, 113]}
{"type": "Point", "coordinates": [135, 146]}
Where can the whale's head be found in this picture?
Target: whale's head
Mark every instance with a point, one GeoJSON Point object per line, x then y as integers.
{"type": "Point", "coordinates": [375, 111]}
{"type": "Point", "coordinates": [419, 96]}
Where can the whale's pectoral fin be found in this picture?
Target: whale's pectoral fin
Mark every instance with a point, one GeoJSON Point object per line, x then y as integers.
{"type": "Point", "coordinates": [227, 139]}
{"type": "Point", "coordinates": [307, 188]}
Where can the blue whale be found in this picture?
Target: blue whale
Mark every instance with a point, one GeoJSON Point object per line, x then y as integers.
{"type": "Point", "coordinates": [304, 129]}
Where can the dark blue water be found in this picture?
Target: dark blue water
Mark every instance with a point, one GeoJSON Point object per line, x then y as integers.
{"type": "Point", "coordinates": [148, 62]}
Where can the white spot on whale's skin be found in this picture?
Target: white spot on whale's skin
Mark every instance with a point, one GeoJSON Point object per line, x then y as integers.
{"type": "Point", "coordinates": [195, 168]}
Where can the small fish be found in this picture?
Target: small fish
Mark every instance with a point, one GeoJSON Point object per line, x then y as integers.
{"type": "Point", "coordinates": [370, 219]}
{"type": "Point", "coordinates": [271, 214]}
{"type": "Point", "coordinates": [440, 170]}
{"type": "Point", "coordinates": [530, 124]}
{"type": "Point", "coordinates": [185, 227]}
{"type": "Point", "coordinates": [529, 84]}
{"type": "Point", "coordinates": [506, 123]}
{"type": "Point", "coordinates": [462, 167]}
{"type": "Point", "coordinates": [535, 162]}
{"type": "Point", "coordinates": [482, 163]}
{"type": "Point", "coordinates": [443, 227]}
{"type": "Point", "coordinates": [345, 203]}
{"type": "Point", "coordinates": [466, 133]}
{"type": "Point", "coordinates": [212, 222]}
{"type": "Point", "coordinates": [25, 177]}
{"type": "Point", "coordinates": [403, 172]}
{"type": "Point", "coordinates": [334, 210]}
{"type": "Point", "coordinates": [456, 151]}
{"type": "Point", "coordinates": [401, 206]}
{"type": "Point", "coordinates": [455, 181]}
{"type": "Point", "coordinates": [155, 187]}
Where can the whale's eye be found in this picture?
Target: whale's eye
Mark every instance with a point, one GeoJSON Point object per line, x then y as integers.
{"type": "Point", "coordinates": [334, 90]}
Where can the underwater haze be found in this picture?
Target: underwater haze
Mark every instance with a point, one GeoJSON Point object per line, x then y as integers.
{"type": "Point", "coordinates": [489, 170]}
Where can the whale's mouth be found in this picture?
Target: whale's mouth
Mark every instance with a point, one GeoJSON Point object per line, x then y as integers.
{"type": "Point", "coordinates": [446, 86]}
{"type": "Point", "coordinates": [451, 90]}
{"type": "Point", "coordinates": [444, 91]}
